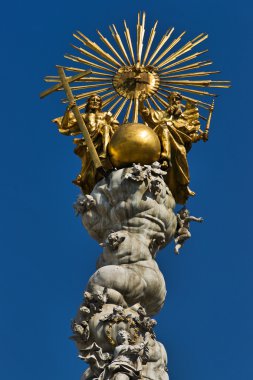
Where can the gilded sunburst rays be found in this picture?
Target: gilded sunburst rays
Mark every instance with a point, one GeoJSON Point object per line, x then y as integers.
{"type": "Point", "coordinates": [124, 71]}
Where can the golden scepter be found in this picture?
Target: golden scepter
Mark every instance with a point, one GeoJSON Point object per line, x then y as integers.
{"type": "Point", "coordinates": [208, 122]}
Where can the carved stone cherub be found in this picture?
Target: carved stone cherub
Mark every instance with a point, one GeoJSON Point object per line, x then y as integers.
{"type": "Point", "coordinates": [183, 227]}
{"type": "Point", "coordinates": [81, 331]}
{"type": "Point", "coordinates": [84, 203]}
{"type": "Point", "coordinates": [144, 322]}
{"type": "Point", "coordinates": [95, 301]}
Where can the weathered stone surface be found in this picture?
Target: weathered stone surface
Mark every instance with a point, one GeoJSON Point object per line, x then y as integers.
{"type": "Point", "coordinates": [130, 213]}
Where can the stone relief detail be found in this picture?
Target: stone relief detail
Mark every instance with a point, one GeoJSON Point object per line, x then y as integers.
{"type": "Point", "coordinates": [84, 203]}
{"type": "Point", "coordinates": [127, 359]}
{"type": "Point", "coordinates": [130, 214]}
{"type": "Point", "coordinates": [151, 174]}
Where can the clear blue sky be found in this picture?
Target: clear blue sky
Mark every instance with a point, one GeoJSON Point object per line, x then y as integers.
{"type": "Point", "coordinates": [46, 255]}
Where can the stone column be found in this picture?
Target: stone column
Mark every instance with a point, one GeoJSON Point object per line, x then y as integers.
{"type": "Point", "coordinates": [130, 214]}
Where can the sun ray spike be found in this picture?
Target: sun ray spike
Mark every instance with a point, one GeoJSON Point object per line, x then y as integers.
{"type": "Point", "coordinates": [129, 41]}
{"type": "Point", "coordinates": [85, 62]}
{"type": "Point", "coordinates": [82, 106]}
{"type": "Point", "coordinates": [173, 43]}
{"type": "Point", "coordinates": [162, 101]}
{"type": "Point", "coordinates": [190, 75]}
{"type": "Point", "coordinates": [137, 37]}
{"type": "Point", "coordinates": [95, 79]}
{"type": "Point", "coordinates": [186, 59]}
{"type": "Point", "coordinates": [80, 80]}
{"type": "Point", "coordinates": [86, 94]}
{"type": "Point", "coordinates": [198, 83]}
{"type": "Point", "coordinates": [196, 65]}
{"type": "Point", "coordinates": [118, 112]}
{"type": "Point", "coordinates": [114, 105]}
{"type": "Point", "coordinates": [102, 74]}
{"type": "Point", "coordinates": [109, 100]}
{"type": "Point", "coordinates": [184, 49]}
{"type": "Point", "coordinates": [108, 94]}
{"type": "Point", "coordinates": [92, 45]}
{"type": "Point", "coordinates": [109, 45]}
{"type": "Point", "coordinates": [142, 33]}
{"type": "Point", "coordinates": [165, 95]}
{"type": "Point", "coordinates": [155, 103]}
{"type": "Point", "coordinates": [75, 88]}
{"type": "Point", "coordinates": [93, 56]}
{"type": "Point", "coordinates": [188, 46]}
{"type": "Point", "coordinates": [150, 41]}
{"type": "Point", "coordinates": [127, 114]}
{"type": "Point", "coordinates": [140, 36]}
{"type": "Point", "coordinates": [52, 78]}
{"type": "Point", "coordinates": [148, 103]}
{"type": "Point", "coordinates": [187, 90]}
{"type": "Point", "coordinates": [75, 69]}
{"type": "Point", "coordinates": [160, 45]}
{"type": "Point", "coordinates": [197, 102]}
{"type": "Point", "coordinates": [118, 40]}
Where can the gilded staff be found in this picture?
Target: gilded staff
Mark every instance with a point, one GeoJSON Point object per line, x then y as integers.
{"type": "Point", "coordinates": [209, 120]}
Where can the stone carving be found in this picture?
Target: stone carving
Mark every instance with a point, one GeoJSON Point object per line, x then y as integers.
{"type": "Point", "coordinates": [126, 363]}
{"type": "Point", "coordinates": [130, 214]}
{"type": "Point", "coordinates": [84, 203]}
{"type": "Point", "coordinates": [132, 218]}
{"type": "Point", "coordinates": [183, 227]}
{"type": "Point", "coordinates": [151, 174]}
{"type": "Point", "coordinates": [141, 353]}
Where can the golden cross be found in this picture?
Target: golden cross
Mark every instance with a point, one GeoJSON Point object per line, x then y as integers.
{"type": "Point", "coordinates": [65, 84]}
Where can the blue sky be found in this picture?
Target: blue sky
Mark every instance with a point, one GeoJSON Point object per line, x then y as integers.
{"type": "Point", "coordinates": [46, 255]}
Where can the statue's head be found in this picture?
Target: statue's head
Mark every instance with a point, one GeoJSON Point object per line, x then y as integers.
{"type": "Point", "coordinates": [174, 98]}
{"type": "Point", "coordinates": [94, 103]}
{"type": "Point", "coordinates": [122, 336]}
{"type": "Point", "coordinates": [184, 212]}
{"type": "Point", "coordinates": [141, 311]}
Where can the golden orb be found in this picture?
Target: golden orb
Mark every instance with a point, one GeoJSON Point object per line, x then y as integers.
{"type": "Point", "coordinates": [134, 143]}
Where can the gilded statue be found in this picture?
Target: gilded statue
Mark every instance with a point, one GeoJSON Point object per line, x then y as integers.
{"type": "Point", "coordinates": [177, 129]}
{"type": "Point", "coordinates": [134, 81]}
{"type": "Point", "coordinates": [101, 126]}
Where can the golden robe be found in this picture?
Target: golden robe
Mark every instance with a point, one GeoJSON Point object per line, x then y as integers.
{"type": "Point", "coordinates": [101, 126]}
{"type": "Point", "coordinates": [179, 132]}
